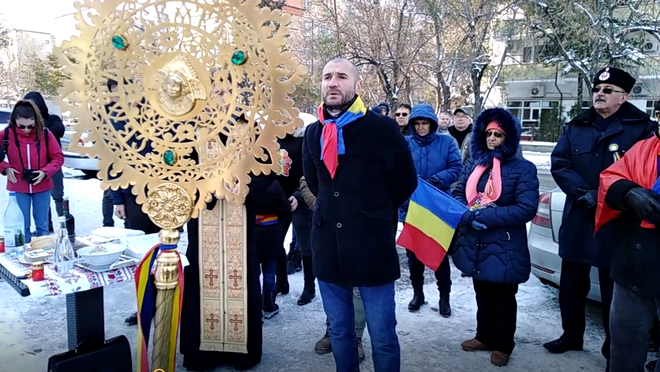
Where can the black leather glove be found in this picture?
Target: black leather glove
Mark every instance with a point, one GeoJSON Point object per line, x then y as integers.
{"type": "Point", "coordinates": [643, 203]}
{"type": "Point", "coordinates": [589, 199]}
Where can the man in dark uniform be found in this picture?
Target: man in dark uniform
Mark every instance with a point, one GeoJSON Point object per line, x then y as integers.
{"type": "Point", "coordinates": [590, 143]}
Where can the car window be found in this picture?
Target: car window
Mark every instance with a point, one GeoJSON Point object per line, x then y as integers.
{"type": "Point", "coordinates": [4, 117]}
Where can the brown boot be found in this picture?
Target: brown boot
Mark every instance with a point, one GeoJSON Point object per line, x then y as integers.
{"type": "Point", "coordinates": [499, 359]}
{"type": "Point", "coordinates": [474, 345]}
{"type": "Point", "coordinates": [323, 346]}
{"type": "Point", "coordinates": [360, 349]}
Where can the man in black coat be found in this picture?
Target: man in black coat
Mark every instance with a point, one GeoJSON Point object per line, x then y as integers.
{"type": "Point", "coordinates": [359, 167]}
{"type": "Point", "coordinates": [628, 199]}
{"type": "Point", "coordinates": [55, 126]}
{"type": "Point", "coordinates": [589, 144]}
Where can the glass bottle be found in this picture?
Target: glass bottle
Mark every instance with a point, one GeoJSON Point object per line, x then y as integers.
{"type": "Point", "coordinates": [70, 220]}
{"type": "Point", "coordinates": [14, 227]}
{"type": "Point", "coordinates": [63, 258]}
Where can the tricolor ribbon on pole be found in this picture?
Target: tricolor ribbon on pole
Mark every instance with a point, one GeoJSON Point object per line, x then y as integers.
{"type": "Point", "coordinates": [146, 299]}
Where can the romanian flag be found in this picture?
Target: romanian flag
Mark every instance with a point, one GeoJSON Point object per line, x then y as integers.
{"type": "Point", "coordinates": [432, 219]}
{"type": "Point", "coordinates": [146, 298]}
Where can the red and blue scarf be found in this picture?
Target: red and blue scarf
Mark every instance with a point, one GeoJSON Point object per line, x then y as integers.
{"type": "Point", "coordinates": [332, 138]}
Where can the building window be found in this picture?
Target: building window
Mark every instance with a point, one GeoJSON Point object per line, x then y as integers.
{"type": "Point", "coordinates": [532, 113]}
{"type": "Point", "coordinates": [650, 108]}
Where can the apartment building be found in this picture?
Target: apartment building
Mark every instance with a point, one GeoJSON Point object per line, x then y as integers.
{"type": "Point", "coordinates": [534, 91]}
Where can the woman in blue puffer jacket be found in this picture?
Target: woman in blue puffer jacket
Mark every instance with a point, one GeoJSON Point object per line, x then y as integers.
{"type": "Point", "coordinates": [502, 191]}
{"type": "Point", "coordinates": [437, 161]}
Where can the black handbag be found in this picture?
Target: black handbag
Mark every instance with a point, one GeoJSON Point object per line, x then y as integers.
{"type": "Point", "coordinates": [113, 355]}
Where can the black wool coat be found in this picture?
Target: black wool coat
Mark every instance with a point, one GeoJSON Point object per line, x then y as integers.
{"type": "Point", "coordinates": [354, 221]}
{"type": "Point", "coordinates": [582, 152]}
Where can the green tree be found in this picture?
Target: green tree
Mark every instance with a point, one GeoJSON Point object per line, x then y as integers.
{"type": "Point", "coordinates": [585, 35]}
{"type": "Point", "coordinates": [47, 74]}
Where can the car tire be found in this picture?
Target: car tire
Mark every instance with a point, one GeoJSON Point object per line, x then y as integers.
{"type": "Point", "coordinates": [546, 282]}
{"type": "Point", "coordinates": [90, 173]}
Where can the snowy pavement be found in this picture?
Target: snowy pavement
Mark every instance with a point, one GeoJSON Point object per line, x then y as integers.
{"type": "Point", "coordinates": [31, 329]}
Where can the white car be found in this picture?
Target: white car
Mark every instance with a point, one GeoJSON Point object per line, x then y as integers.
{"type": "Point", "coordinates": [542, 242]}
{"type": "Point", "coordinates": [74, 160]}
{"type": "Point", "coordinates": [5, 113]}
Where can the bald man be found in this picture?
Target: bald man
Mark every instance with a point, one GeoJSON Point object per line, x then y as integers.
{"type": "Point", "coordinates": [358, 165]}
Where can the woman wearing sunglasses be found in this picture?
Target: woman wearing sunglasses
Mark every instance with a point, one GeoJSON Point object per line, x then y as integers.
{"type": "Point", "coordinates": [501, 189]}
{"type": "Point", "coordinates": [33, 157]}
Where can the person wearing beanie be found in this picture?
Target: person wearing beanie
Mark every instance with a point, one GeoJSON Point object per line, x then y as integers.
{"type": "Point", "coordinates": [589, 144]}
{"type": "Point", "coordinates": [438, 162]}
{"type": "Point", "coordinates": [501, 190]}
{"type": "Point", "coordinates": [384, 108]}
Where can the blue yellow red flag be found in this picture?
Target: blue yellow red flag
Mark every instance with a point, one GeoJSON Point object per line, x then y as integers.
{"type": "Point", "coordinates": [146, 301]}
{"type": "Point", "coordinates": [430, 224]}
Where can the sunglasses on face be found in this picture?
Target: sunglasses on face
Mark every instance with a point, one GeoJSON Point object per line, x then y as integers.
{"type": "Point", "coordinates": [494, 133]}
{"type": "Point", "coordinates": [605, 90]}
{"type": "Point", "coordinates": [25, 126]}
{"type": "Point", "coordinates": [404, 114]}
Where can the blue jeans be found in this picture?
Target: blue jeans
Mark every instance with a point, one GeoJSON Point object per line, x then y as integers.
{"type": "Point", "coordinates": [39, 203]}
{"type": "Point", "coordinates": [268, 290]}
{"type": "Point", "coordinates": [379, 308]}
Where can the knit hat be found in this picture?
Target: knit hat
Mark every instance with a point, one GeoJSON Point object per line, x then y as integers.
{"type": "Point", "coordinates": [493, 125]}
{"type": "Point", "coordinates": [615, 76]}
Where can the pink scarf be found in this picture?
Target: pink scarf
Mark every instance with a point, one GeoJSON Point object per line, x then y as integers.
{"type": "Point", "coordinates": [493, 188]}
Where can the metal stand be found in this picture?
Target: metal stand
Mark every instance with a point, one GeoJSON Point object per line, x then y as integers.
{"type": "Point", "coordinates": [84, 317]}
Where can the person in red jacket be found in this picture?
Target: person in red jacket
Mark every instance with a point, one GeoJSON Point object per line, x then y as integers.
{"type": "Point", "coordinates": [33, 158]}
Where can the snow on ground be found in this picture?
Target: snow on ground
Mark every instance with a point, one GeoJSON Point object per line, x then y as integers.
{"type": "Point", "coordinates": [540, 159]}
{"type": "Point", "coordinates": [33, 329]}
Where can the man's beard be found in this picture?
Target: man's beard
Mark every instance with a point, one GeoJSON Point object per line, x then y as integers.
{"type": "Point", "coordinates": [345, 98]}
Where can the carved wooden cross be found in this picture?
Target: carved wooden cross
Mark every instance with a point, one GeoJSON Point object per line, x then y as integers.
{"type": "Point", "coordinates": [236, 278]}
{"type": "Point", "coordinates": [236, 321]}
{"type": "Point", "coordinates": [211, 276]}
{"type": "Point", "coordinates": [212, 319]}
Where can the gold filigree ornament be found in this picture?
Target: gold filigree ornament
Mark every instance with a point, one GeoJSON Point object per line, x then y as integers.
{"type": "Point", "coordinates": [202, 94]}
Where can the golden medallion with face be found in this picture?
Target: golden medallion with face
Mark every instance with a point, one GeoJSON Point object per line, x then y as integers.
{"type": "Point", "coordinates": [178, 86]}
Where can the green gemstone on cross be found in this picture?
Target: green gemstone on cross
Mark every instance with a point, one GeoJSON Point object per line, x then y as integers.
{"type": "Point", "coordinates": [239, 57]}
{"type": "Point", "coordinates": [119, 42]}
{"type": "Point", "coordinates": [169, 157]}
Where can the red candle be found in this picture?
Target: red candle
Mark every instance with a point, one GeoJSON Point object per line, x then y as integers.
{"type": "Point", "coordinates": [37, 271]}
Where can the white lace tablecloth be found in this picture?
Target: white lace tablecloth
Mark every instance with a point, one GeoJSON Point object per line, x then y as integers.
{"type": "Point", "coordinates": [78, 280]}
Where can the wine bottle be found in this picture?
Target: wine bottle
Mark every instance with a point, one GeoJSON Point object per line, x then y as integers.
{"type": "Point", "coordinates": [70, 220]}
